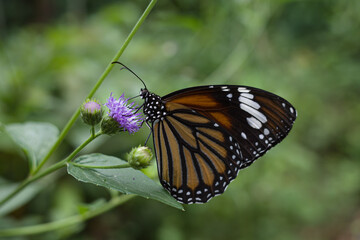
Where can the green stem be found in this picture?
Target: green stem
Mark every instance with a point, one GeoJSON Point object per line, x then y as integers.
{"type": "Point", "coordinates": [71, 122]}
{"type": "Point", "coordinates": [101, 167]}
{"type": "Point", "coordinates": [49, 170]}
{"type": "Point", "coordinates": [67, 222]}
{"type": "Point", "coordinates": [92, 130]}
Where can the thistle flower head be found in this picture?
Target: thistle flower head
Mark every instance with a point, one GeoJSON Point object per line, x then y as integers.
{"type": "Point", "coordinates": [124, 113]}
{"type": "Point", "coordinates": [91, 112]}
{"type": "Point", "coordinates": [91, 106]}
{"type": "Point", "coordinates": [140, 157]}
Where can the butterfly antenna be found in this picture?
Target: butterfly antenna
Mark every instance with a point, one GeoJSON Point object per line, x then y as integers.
{"type": "Point", "coordinates": [131, 72]}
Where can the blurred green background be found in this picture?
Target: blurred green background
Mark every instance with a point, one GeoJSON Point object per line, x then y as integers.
{"type": "Point", "coordinates": [52, 52]}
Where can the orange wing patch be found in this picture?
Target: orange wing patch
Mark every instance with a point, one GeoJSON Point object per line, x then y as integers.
{"type": "Point", "coordinates": [213, 133]}
{"type": "Point", "coordinates": [206, 171]}
{"type": "Point", "coordinates": [219, 117]}
{"type": "Point", "coordinates": [192, 177]}
{"type": "Point", "coordinates": [157, 146]}
{"type": "Point", "coordinates": [218, 148]}
{"type": "Point", "coordinates": [213, 111]}
{"type": "Point", "coordinates": [163, 153]}
{"type": "Point", "coordinates": [175, 155]}
{"type": "Point", "coordinates": [196, 101]}
{"type": "Point", "coordinates": [192, 118]}
{"type": "Point", "coordinates": [185, 132]}
{"type": "Point", "coordinates": [218, 163]}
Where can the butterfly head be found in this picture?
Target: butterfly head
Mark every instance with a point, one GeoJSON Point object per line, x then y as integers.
{"type": "Point", "coordinates": [144, 93]}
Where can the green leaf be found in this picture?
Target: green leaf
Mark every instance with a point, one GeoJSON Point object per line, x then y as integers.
{"type": "Point", "coordinates": [18, 200]}
{"type": "Point", "coordinates": [35, 139]}
{"type": "Point", "coordinates": [125, 180]}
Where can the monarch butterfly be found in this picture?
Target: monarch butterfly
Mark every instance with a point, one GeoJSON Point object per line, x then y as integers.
{"type": "Point", "coordinates": [204, 135]}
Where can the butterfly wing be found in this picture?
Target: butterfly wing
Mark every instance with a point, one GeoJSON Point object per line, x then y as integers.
{"type": "Point", "coordinates": [256, 119]}
{"type": "Point", "coordinates": [193, 158]}
{"type": "Point", "coordinates": [210, 132]}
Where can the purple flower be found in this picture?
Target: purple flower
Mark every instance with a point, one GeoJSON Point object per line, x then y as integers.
{"type": "Point", "coordinates": [91, 112]}
{"type": "Point", "coordinates": [124, 113]}
{"type": "Point", "coordinates": [92, 106]}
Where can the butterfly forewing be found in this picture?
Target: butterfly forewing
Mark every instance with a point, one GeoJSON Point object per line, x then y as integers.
{"type": "Point", "coordinates": [255, 118]}
{"type": "Point", "coordinates": [204, 135]}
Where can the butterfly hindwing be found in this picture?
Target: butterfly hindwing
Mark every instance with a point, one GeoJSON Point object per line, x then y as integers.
{"type": "Point", "coordinates": [196, 157]}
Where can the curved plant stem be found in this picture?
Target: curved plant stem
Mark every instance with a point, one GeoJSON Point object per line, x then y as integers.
{"type": "Point", "coordinates": [101, 167]}
{"type": "Point", "coordinates": [34, 174]}
{"type": "Point", "coordinates": [49, 170]}
{"type": "Point", "coordinates": [72, 120]}
{"type": "Point", "coordinates": [70, 221]}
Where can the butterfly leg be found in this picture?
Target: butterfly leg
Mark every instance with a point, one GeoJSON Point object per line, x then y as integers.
{"type": "Point", "coordinates": [147, 139]}
{"type": "Point", "coordinates": [139, 108]}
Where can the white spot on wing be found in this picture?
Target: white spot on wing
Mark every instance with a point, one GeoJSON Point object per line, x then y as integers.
{"type": "Point", "coordinates": [266, 131]}
{"type": "Point", "coordinates": [249, 102]}
{"type": "Point", "coordinates": [254, 123]}
{"type": "Point", "coordinates": [243, 135]}
{"type": "Point", "coordinates": [242, 89]}
{"type": "Point", "coordinates": [254, 112]}
{"type": "Point", "coordinates": [247, 95]}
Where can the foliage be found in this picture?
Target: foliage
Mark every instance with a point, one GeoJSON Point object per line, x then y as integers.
{"type": "Point", "coordinates": [128, 181]}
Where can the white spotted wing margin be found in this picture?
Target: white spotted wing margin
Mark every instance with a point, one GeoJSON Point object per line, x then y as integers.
{"type": "Point", "coordinates": [196, 157]}
{"type": "Point", "coordinates": [263, 119]}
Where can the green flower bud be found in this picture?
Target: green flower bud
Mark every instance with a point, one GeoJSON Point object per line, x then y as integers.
{"type": "Point", "coordinates": [91, 112]}
{"type": "Point", "coordinates": [140, 157]}
{"type": "Point", "coordinates": [109, 126]}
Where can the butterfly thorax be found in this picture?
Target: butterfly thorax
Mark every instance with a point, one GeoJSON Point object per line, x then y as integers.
{"type": "Point", "coordinates": [154, 107]}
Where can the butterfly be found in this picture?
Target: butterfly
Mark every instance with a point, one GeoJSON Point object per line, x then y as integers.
{"type": "Point", "coordinates": [203, 136]}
